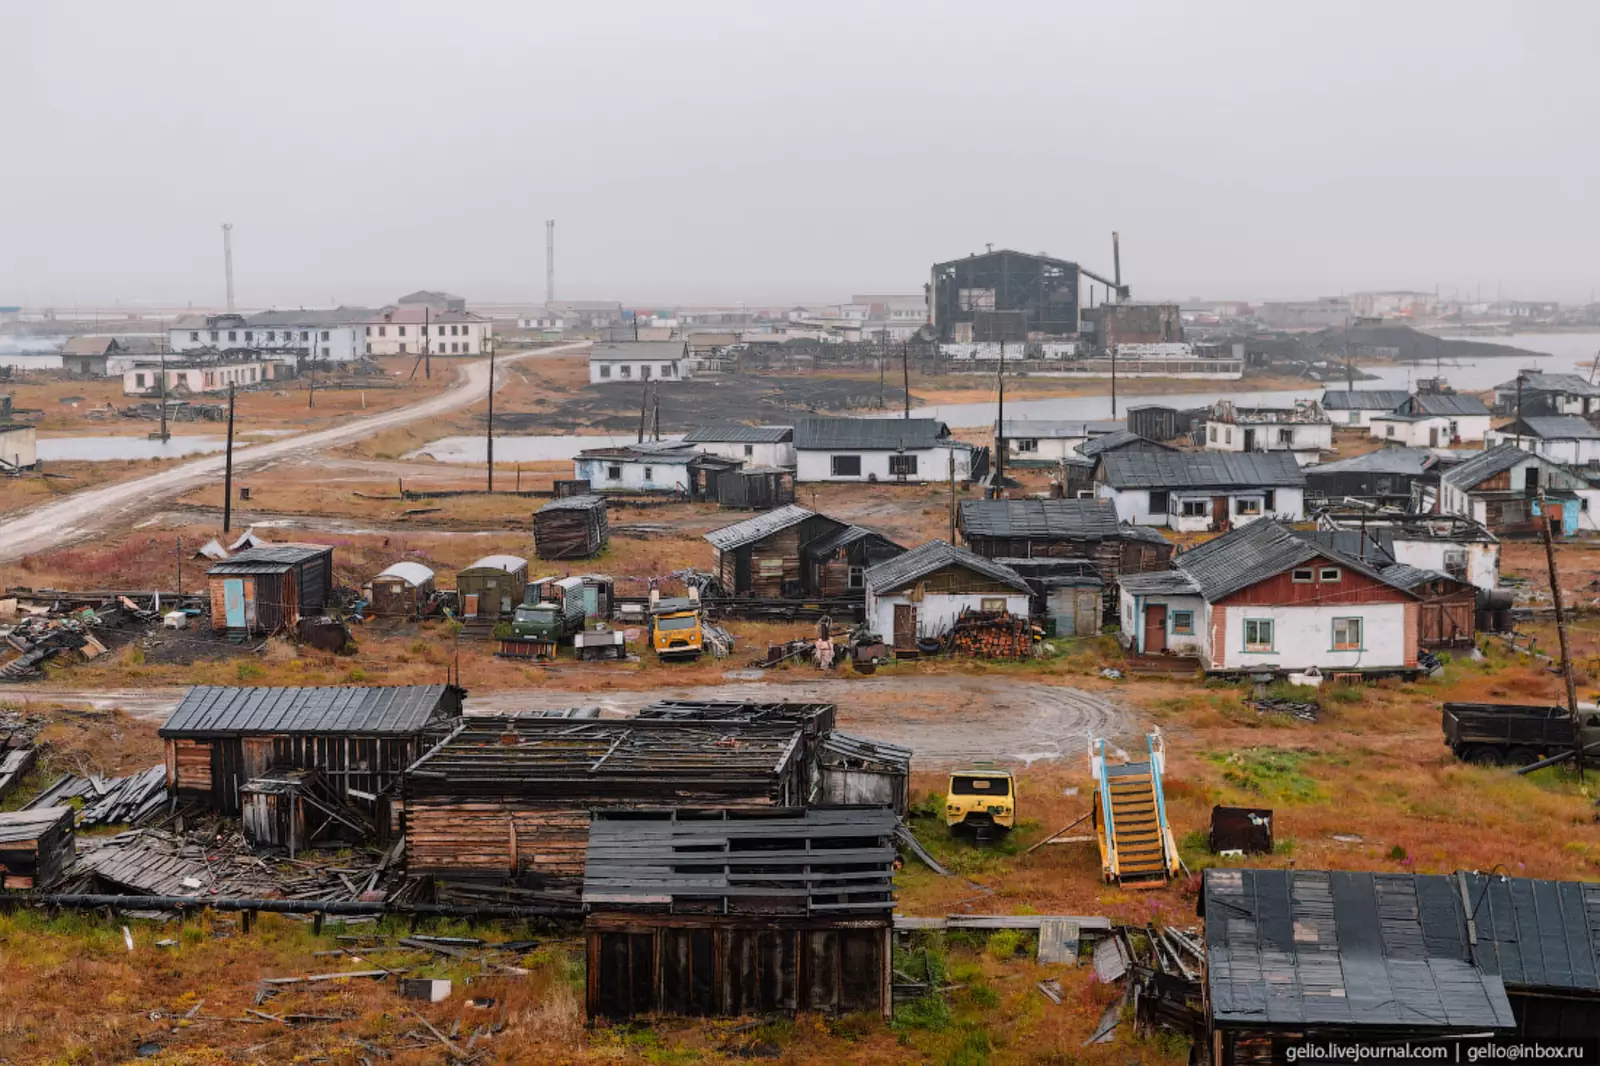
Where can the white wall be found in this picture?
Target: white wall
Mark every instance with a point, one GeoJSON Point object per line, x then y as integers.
{"type": "Point", "coordinates": [760, 454]}
{"type": "Point", "coordinates": [1133, 628]}
{"type": "Point", "coordinates": [1303, 636]}
{"type": "Point", "coordinates": [1414, 434]}
{"type": "Point", "coordinates": [1472, 427]}
{"type": "Point", "coordinates": [336, 344]}
{"type": "Point", "coordinates": [664, 477]}
{"type": "Point", "coordinates": [1361, 417]}
{"type": "Point", "coordinates": [1569, 452]}
{"type": "Point", "coordinates": [195, 378]}
{"type": "Point", "coordinates": [933, 465]}
{"type": "Point", "coordinates": [1483, 560]}
{"type": "Point", "coordinates": [1133, 505]}
{"type": "Point", "coordinates": [1307, 437]}
{"type": "Point", "coordinates": [19, 446]}
{"type": "Point", "coordinates": [625, 371]}
{"type": "Point", "coordinates": [937, 612]}
{"type": "Point", "coordinates": [1050, 448]}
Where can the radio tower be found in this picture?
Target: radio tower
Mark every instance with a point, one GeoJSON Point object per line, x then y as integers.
{"type": "Point", "coordinates": [227, 258]}
{"type": "Point", "coordinates": [549, 261]}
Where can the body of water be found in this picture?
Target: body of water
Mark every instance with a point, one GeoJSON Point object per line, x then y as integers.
{"type": "Point", "coordinates": [530, 448]}
{"type": "Point", "coordinates": [110, 449]}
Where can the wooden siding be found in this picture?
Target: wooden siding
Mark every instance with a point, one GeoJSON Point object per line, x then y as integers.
{"type": "Point", "coordinates": [1351, 588]}
{"type": "Point", "coordinates": [959, 580]}
{"type": "Point", "coordinates": [488, 838]}
{"type": "Point", "coordinates": [1112, 556]}
{"type": "Point", "coordinates": [191, 764]}
{"type": "Point", "coordinates": [1446, 618]}
{"type": "Point", "coordinates": [833, 580]}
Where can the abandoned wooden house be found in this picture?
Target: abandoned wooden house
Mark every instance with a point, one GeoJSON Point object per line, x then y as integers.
{"type": "Point", "coordinates": [1070, 596]}
{"type": "Point", "coordinates": [491, 588]}
{"type": "Point", "coordinates": [266, 589]}
{"type": "Point", "coordinates": [1450, 544]}
{"type": "Point", "coordinates": [1386, 477]}
{"type": "Point", "coordinates": [1507, 490]}
{"type": "Point", "coordinates": [921, 594]}
{"type": "Point", "coordinates": [402, 591]}
{"type": "Point", "coordinates": [36, 846]}
{"type": "Point", "coordinates": [1446, 615]}
{"type": "Point", "coordinates": [510, 796]}
{"type": "Point", "coordinates": [1089, 529]}
{"type": "Point", "coordinates": [794, 552]}
{"type": "Point", "coordinates": [573, 527]}
{"type": "Point", "coordinates": [1340, 956]}
{"type": "Point", "coordinates": [740, 912]}
{"type": "Point", "coordinates": [291, 810]}
{"type": "Point", "coordinates": [854, 771]}
{"type": "Point", "coordinates": [756, 488]}
{"type": "Point", "coordinates": [653, 468]}
{"type": "Point", "coordinates": [360, 739]}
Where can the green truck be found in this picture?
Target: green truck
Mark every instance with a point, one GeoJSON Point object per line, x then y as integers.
{"type": "Point", "coordinates": [551, 611]}
{"type": "Point", "coordinates": [1514, 734]}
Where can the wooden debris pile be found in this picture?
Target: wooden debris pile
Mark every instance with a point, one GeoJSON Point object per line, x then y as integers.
{"type": "Point", "coordinates": [130, 800]}
{"type": "Point", "coordinates": [991, 635]}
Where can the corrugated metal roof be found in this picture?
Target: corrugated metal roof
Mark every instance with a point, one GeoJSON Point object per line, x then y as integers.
{"type": "Point", "coordinates": [1437, 403]}
{"type": "Point", "coordinates": [762, 525]}
{"type": "Point", "coordinates": [413, 574]}
{"type": "Point", "coordinates": [1363, 399]}
{"type": "Point", "coordinates": [935, 555]}
{"type": "Point", "coordinates": [225, 711]}
{"type": "Point", "coordinates": [832, 542]}
{"type": "Point", "coordinates": [1570, 384]}
{"type": "Point", "coordinates": [1200, 470]}
{"type": "Point", "coordinates": [1374, 546]}
{"type": "Point", "coordinates": [1537, 934]}
{"type": "Point", "coordinates": [1484, 466]}
{"type": "Point", "coordinates": [1409, 462]}
{"type": "Point", "coordinates": [648, 351]}
{"type": "Point", "coordinates": [839, 747]}
{"type": "Point", "coordinates": [1292, 948]}
{"type": "Point", "coordinates": [870, 434]}
{"type": "Point", "coordinates": [1159, 583]}
{"type": "Point", "coordinates": [1056, 429]}
{"type": "Point", "coordinates": [740, 434]}
{"type": "Point", "coordinates": [1122, 438]}
{"type": "Point", "coordinates": [1254, 553]}
{"type": "Point", "coordinates": [1404, 576]}
{"type": "Point", "coordinates": [565, 503]}
{"type": "Point", "coordinates": [509, 563]}
{"type": "Point", "coordinates": [274, 559]}
{"type": "Point", "coordinates": [1553, 427]}
{"type": "Point", "coordinates": [1065, 519]}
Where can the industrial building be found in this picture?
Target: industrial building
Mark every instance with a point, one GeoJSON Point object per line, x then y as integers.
{"type": "Point", "coordinates": [1004, 295]}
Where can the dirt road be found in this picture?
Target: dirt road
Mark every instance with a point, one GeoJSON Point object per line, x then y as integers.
{"type": "Point", "coordinates": [86, 512]}
{"type": "Point", "coordinates": [947, 721]}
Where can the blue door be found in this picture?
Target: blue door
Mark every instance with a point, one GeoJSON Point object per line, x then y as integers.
{"type": "Point", "coordinates": [233, 597]}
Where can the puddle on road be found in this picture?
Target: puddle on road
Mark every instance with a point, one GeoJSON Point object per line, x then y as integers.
{"type": "Point", "coordinates": [532, 448]}
{"type": "Point", "coordinates": [114, 449]}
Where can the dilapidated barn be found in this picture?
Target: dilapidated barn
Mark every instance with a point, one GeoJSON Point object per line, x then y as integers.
{"type": "Point", "coordinates": [573, 527]}
{"type": "Point", "coordinates": [360, 739]}
{"type": "Point", "coordinates": [794, 552]}
{"type": "Point", "coordinates": [740, 912]}
{"type": "Point", "coordinates": [265, 589]}
{"type": "Point", "coordinates": [1446, 617]}
{"type": "Point", "coordinates": [1035, 529]}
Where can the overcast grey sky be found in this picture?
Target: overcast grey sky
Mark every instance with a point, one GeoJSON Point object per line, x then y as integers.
{"type": "Point", "coordinates": [770, 150]}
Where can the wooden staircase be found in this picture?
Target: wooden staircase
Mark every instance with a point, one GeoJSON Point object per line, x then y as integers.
{"type": "Point", "coordinates": [1136, 845]}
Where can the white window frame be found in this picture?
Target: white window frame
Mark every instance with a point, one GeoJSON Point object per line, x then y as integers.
{"type": "Point", "coordinates": [1330, 575]}
{"type": "Point", "coordinates": [1309, 572]}
{"type": "Point", "coordinates": [1258, 645]}
{"type": "Point", "coordinates": [1194, 508]}
{"type": "Point", "coordinates": [1358, 644]}
{"type": "Point", "coordinates": [1249, 507]}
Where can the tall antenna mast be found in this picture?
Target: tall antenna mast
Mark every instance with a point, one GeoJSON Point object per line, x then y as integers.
{"type": "Point", "coordinates": [227, 258]}
{"type": "Point", "coordinates": [549, 261]}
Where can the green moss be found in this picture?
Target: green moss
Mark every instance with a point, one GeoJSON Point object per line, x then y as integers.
{"type": "Point", "coordinates": [1275, 774]}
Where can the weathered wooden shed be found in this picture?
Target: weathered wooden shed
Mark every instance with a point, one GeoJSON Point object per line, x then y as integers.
{"type": "Point", "coordinates": [360, 739]}
{"type": "Point", "coordinates": [402, 591]}
{"type": "Point", "coordinates": [273, 809]}
{"type": "Point", "coordinates": [756, 488]}
{"type": "Point", "coordinates": [740, 912]}
{"type": "Point", "coordinates": [793, 552]}
{"type": "Point", "coordinates": [510, 796]}
{"type": "Point", "coordinates": [491, 588]}
{"type": "Point", "coordinates": [573, 527]}
{"type": "Point", "coordinates": [35, 846]}
{"type": "Point", "coordinates": [1033, 529]}
{"type": "Point", "coordinates": [263, 590]}
{"type": "Point", "coordinates": [854, 771]}
{"type": "Point", "coordinates": [837, 562]}
{"type": "Point", "coordinates": [1446, 617]}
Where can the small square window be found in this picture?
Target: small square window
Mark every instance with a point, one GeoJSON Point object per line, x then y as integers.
{"type": "Point", "coordinates": [1258, 634]}
{"type": "Point", "coordinates": [749, 450]}
{"type": "Point", "coordinates": [902, 465]}
{"type": "Point", "coordinates": [614, 473]}
{"type": "Point", "coordinates": [1158, 501]}
{"type": "Point", "coordinates": [1195, 508]}
{"type": "Point", "coordinates": [649, 473]}
{"type": "Point", "coordinates": [1213, 434]}
{"type": "Point", "coordinates": [992, 604]}
{"type": "Point", "coordinates": [1183, 623]}
{"type": "Point", "coordinates": [1347, 634]}
{"type": "Point", "coordinates": [1302, 576]}
{"type": "Point", "coordinates": [1249, 507]}
{"type": "Point", "coordinates": [194, 336]}
{"type": "Point", "coordinates": [605, 370]}
{"type": "Point", "coordinates": [1330, 573]}
{"type": "Point", "coordinates": [858, 577]}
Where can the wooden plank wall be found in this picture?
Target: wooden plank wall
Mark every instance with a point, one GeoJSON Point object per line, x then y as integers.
{"type": "Point", "coordinates": [496, 838]}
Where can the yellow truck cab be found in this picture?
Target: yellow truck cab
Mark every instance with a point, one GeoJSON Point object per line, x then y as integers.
{"type": "Point", "coordinates": [675, 628]}
{"type": "Point", "coordinates": [981, 799]}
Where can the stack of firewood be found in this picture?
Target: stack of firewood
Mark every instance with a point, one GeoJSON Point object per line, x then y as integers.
{"type": "Point", "coordinates": [991, 635]}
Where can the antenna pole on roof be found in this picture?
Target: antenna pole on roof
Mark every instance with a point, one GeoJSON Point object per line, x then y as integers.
{"type": "Point", "coordinates": [227, 475]}
{"type": "Point", "coordinates": [905, 373]}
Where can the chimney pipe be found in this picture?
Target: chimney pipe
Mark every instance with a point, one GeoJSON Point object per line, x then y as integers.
{"type": "Point", "coordinates": [1116, 263]}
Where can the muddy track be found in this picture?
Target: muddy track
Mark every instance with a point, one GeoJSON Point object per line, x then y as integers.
{"type": "Point", "coordinates": [946, 720]}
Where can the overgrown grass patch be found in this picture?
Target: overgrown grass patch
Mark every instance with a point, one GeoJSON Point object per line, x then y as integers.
{"type": "Point", "coordinates": [1276, 774]}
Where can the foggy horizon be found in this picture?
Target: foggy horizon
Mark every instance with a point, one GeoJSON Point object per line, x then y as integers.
{"type": "Point", "coordinates": [719, 153]}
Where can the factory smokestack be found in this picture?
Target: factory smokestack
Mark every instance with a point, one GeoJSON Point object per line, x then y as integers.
{"type": "Point", "coordinates": [227, 259]}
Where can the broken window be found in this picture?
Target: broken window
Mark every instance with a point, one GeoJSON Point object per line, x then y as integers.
{"type": "Point", "coordinates": [1258, 634]}
{"type": "Point", "coordinates": [1286, 437]}
{"type": "Point", "coordinates": [1213, 434]}
{"type": "Point", "coordinates": [1347, 634]}
{"type": "Point", "coordinates": [195, 335]}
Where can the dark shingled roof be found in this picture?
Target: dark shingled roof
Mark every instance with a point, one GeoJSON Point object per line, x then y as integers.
{"type": "Point", "coordinates": [870, 434]}
{"type": "Point", "coordinates": [1056, 429]}
{"type": "Point", "coordinates": [1159, 583]}
{"type": "Point", "coordinates": [1254, 553]}
{"type": "Point", "coordinates": [762, 525]}
{"type": "Point", "coordinates": [740, 434]}
{"type": "Point", "coordinates": [1484, 466]}
{"type": "Point", "coordinates": [1405, 461]}
{"type": "Point", "coordinates": [1375, 547]}
{"type": "Point", "coordinates": [832, 542]}
{"type": "Point", "coordinates": [1200, 470]}
{"type": "Point", "coordinates": [575, 503]}
{"type": "Point", "coordinates": [1552, 427]}
{"type": "Point", "coordinates": [1436, 403]}
{"type": "Point", "coordinates": [1338, 949]}
{"type": "Point", "coordinates": [935, 555]}
{"type": "Point", "coordinates": [1537, 934]}
{"type": "Point", "coordinates": [215, 710]}
{"type": "Point", "coordinates": [1071, 519]}
{"type": "Point", "coordinates": [1122, 438]}
{"type": "Point", "coordinates": [273, 559]}
{"type": "Point", "coordinates": [1363, 399]}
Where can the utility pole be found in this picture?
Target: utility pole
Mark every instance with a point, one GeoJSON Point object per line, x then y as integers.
{"type": "Point", "coordinates": [177, 543]}
{"type": "Point", "coordinates": [311, 387]}
{"type": "Point", "coordinates": [1113, 349]}
{"type": "Point", "coordinates": [882, 359]}
{"type": "Point", "coordinates": [227, 475]}
{"type": "Point", "coordinates": [952, 497]}
{"type": "Point", "coordinates": [905, 374]}
{"type": "Point", "coordinates": [1000, 428]}
{"type": "Point", "coordinates": [1561, 628]}
{"type": "Point", "coordinates": [644, 404]}
{"type": "Point", "coordinates": [489, 438]}
{"type": "Point", "coordinates": [163, 392]}
{"type": "Point", "coordinates": [227, 259]}
{"type": "Point", "coordinates": [427, 328]}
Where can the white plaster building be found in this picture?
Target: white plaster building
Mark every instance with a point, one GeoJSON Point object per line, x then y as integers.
{"type": "Point", "coordinates": [626, 362]}
{"type": "Point", "coordinates": [921, 594]}
{"type": "Point", "coordinates": [1356, 407]}
{"type": "Point", "coordinates": [412, 330]}
{"type": "Point", "coordinates": [913, 450]}
{"type": "Point", "coordinates": [754, 446]}
{"type": "Point", "coordinates": [1197, 491]}
{"type": "Point", "coordinates": [1412, 431]}
{"type": "Point", "coordinates": [1560, 438]}
{"type": "Point", "coordinates": [334, 335]}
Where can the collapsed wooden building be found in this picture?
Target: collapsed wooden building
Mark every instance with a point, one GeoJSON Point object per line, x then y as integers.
{"type": "Point", "coordinates": [573, 527]}
{"type": "Point", "coordinates": [740, 912]}
{"type": "Point", "coordinates": [359, 739]}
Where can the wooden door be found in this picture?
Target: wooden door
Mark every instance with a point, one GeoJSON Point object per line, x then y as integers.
{"type": "Point", "coordinates": [905, 625]}
{"type": "Point", "coordinates": [257, 756]}
{"type": "Point", "coordinates": [1430, 623]}
{"type": "Point", "coordinates": [1088, 613]}
{"type": "Point", "coordinates": [469, 608]}
{"type": "Point", "coordinates": [1219, 513]}
{"type": "Point", "coordinates": [1155, 628]}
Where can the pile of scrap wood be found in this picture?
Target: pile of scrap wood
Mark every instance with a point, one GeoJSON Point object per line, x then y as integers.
{"type": "Point", "coordinates": [42, 633]}
{"type": "Point", "coordinates": [991, 635]}
{"type": "Point", "coordinates": [129, 800]}
{"type": "Point", "coordinates": [1161, 969]}
{"type": "Point", "coordinates": [177, 411]}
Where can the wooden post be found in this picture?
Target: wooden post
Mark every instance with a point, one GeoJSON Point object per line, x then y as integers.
{"type": "Point", "coordinates": [905, 373]}
{"type": "Point", "coordinates": [489, 439]}
{"type": "Point", "coordinates": [1561, 629]}
{"type": "Point", "coordinates": [427, 349]}
{"type": "Point", "coordinates": [227, 476]}
{"type": "Point", "coordinates": [952, 497]}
